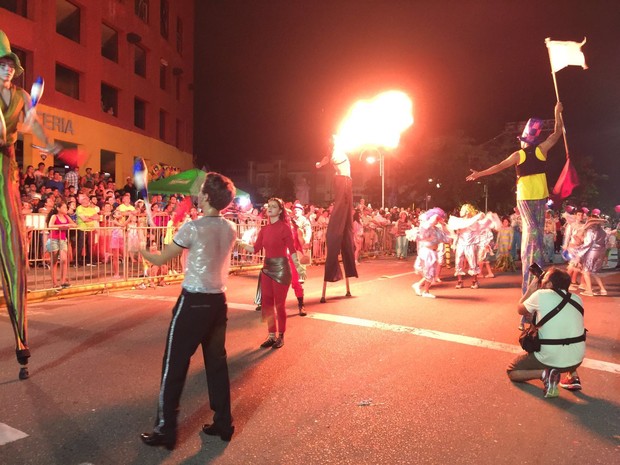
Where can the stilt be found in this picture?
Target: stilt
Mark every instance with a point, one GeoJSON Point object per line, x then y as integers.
{"type": "Point", "coordinates": [324, 289]}
{"type": "Point", "coordinates": [348, 294]}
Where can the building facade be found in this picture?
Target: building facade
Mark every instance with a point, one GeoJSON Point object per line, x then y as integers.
{"type": "Point", "coordinates": [118, 79]}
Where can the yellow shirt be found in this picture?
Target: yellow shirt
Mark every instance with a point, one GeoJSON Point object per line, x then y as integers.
{"type": "Point", "coordinates": [534, 186]}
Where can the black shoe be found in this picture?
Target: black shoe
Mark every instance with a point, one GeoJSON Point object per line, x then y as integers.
{"type": "Point", "coordinates": [278, 342]}
{"type": "Point", "coordinates": [302, 311]}
{"type": "Point", "coordinates": [214, 430]}
{"type": "Point", "coordinates": [268, 342]}
{"type": "Point", "coordinates": [258, 308]}
{"type": "Point", "coordinates": [158, 439]}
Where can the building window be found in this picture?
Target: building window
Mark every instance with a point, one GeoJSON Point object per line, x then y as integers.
{"type": "Point", "coordinates": [109, 99]}
{"type": "Point", "coordinates": [139, 62]}
{"type": "Point", "coordinates": [177, 133]}
{"type": "Point", "coordinates": [163, 74]}
{"type": "Point", "coordinates": [67, 81]}
{"type": "Point", "coordinates": [139, 113]}
{"type": "Point", "coordinates": [162, 125]}
{"type": "Point", "coordinates": [68, 20]}
{"type": "Point", "coordinates": [180, 36]}
{"type": "Point", "coordinates": [164, 10]}
{"type": "Point", "coordinates": [19, 7]}
{"type": "Point", "coordinates": [177, 86]}
{"type": "Point", "coordinates": [142, 10]}
{"type": "Point", "coordinates": [109, 43]}
{"type": "Point", "coordinates": [25, 79]}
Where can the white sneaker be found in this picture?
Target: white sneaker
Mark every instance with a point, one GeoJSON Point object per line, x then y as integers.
{"type": "Point", "coordinates": [416, 288]}
{"type": "Point", "coordinates": [428, 295]}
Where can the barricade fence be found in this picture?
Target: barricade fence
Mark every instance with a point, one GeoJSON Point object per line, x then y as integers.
{"type": "Point", "coordinates": [108, 254]}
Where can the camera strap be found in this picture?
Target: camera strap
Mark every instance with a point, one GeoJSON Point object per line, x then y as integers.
{"type": "Point", "coordinates": [568, 340]}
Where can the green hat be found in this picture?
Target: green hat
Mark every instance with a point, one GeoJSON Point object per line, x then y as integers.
{"type": "Point", "coordinates": [5, 51]}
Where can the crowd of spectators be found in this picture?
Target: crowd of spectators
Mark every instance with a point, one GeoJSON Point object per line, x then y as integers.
{"type": "Point", "coordinates": [375, 229]}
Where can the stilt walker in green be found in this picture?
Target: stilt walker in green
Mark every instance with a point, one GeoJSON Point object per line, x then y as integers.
{"type": "Point", "coordinates": [14, 101]}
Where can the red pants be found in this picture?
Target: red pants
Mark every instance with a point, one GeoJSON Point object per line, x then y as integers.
{"type": "Point", "coordinates": [273, 298]}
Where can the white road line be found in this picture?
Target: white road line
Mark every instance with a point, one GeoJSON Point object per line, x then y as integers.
{"type": "Point", "coordinates": [8, 434]}
{"type": "Point", "coordinates": [459, 339]}
{"type": "Point", "coordinates": [449, 337]}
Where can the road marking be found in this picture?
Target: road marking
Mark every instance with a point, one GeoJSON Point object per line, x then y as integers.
{"type": "Point", "coordinates": [458, 338]}
{"type": "Point", "coordinates": [8, 434]}
{"type": "Point", "coordinates": [449, 337]}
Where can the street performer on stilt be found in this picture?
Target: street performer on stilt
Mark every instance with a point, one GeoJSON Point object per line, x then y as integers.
{"type": "Point", "coordinates": [339, 236]}
{"type": "Point", "coordinates": [15, 101]}
{"type": "Point", "coordinates": [532, 191]}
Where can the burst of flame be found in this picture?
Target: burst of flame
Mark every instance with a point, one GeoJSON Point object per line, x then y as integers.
{"type": "Point", "coordinates": [377, 122]}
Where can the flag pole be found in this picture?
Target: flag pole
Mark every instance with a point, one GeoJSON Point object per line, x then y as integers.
{"type": "Point", "coordinates": [557, 95]}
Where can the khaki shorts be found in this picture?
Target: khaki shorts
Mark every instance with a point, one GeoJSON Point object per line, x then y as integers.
{"type": "Point", "coordinates": [527, 361]}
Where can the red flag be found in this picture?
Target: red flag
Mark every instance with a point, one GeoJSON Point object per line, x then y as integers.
{"type": "Point", "coordinates": [565, 184]}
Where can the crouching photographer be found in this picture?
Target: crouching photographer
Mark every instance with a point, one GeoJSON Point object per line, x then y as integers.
{"type": "Point", "coordinates": [559, 346]}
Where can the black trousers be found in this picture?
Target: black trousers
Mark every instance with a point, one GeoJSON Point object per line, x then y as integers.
{"type": "Point", "coordinates": [339, 236]}
{"type": "Point", "coordinates": [197, 319]}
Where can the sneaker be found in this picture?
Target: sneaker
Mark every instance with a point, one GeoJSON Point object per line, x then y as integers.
{"type": "Point", "coordinates": [573, 287]}
{"type": "Point", "coordinates": [428, 295]}
{"type": "Point", "coordinates": [459, 285]}
{"type": "Point", "coordinates": [277, 343]}
{"type": "Point", "coordinates": [474, 285]}
{"type": "Point", "coordinates": [587, 293]}
{"type": "Point", "coordinates": [416, 288]}
{"type": "Point", "coordinates": [551, 378]}
{"type": "Point", "coordinates": [601, 293]}
{"type": "Point", "coordinates": [268, 342]}
{"type": "Point", "coordinates": [571, 383]}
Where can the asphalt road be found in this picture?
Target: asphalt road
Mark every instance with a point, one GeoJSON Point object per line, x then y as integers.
{"type": "Point", "coordinates": [382, 377]}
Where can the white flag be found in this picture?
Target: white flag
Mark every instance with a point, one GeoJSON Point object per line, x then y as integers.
{"type": "Point", "coordinates": [565, 53]}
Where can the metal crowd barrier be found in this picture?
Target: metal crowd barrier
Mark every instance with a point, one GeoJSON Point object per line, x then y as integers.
{"type": "Point", "coordinates": [108, 256]}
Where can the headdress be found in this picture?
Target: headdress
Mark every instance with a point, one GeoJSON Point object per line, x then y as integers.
{"type": "Point", "coordinates": [531, 132]}
{"type": "Point", "coordinates": [5, 52]}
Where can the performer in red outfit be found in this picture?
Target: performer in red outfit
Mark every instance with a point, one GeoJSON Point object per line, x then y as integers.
{"type": "Point", "coordinates": [276, 239]}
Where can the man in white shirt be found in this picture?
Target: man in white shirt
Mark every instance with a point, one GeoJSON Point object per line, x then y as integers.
{"type": "Point", "coordinates": [562, 337]}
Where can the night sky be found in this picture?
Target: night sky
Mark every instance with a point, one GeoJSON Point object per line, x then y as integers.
{"type": "Point", "coordinates": [274, 78]}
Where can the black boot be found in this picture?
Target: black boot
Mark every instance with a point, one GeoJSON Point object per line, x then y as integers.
{"type": "Point", "coordinates": [300, 306]}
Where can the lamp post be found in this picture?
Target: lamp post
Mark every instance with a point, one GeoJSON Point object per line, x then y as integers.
{"type": "Point", "coordinates": [382, 174]}
{"type": "Point", "coordinates": [371, 159]}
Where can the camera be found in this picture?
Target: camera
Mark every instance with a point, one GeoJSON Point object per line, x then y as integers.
{"type": "Point", "coordinates": [536, 270]}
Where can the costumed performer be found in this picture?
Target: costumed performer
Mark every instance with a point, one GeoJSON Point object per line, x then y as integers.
{"type": "Point", "coordinates": [199, 317]}
{"type": "Point", "coordinates": [339, 236]}
{"type": "Point", "coordinates": [532, 190]}
{"type": "Point", "coordinates": [467, 229]}
{"type": "Point", "coordinates": [15, 101]}
{"type": "Point", "coordinates": [276, 238]}
{"type": "Point", "coordinates": [592, 254]}
{"type": "Point", "coordinates": [431, 232]}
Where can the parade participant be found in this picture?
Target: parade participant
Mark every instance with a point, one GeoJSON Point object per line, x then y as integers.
{"type": "Point", "coordinates": [200, 314]}
{"type": "Point", "coordinates": [276, 239]}
{"type": "Point", "coordinates": [296, 280]}
{"type": "Point", "coordinates": [358, 235]}
{"type": "Point", "coordinates": [532, 190]}
{"type": "Point", "coordinates": [431, 232]}
{"type": "Point", "coordinates": [58, 222]}
{"type": "Point", "coordinates": [503, 245]}
{"type": "Point", "coordinates": [562, 335]}
{"type": "Point", "coordinates": [549, 238]}
{"type": "Point", "coordinates": [339, 236]}
{"type": "Point", "coordinates": [467, 229]}
{"type": "Point", "coordinates": [592, 254]}
{"type": "Point", "coordinates": [14, 102]}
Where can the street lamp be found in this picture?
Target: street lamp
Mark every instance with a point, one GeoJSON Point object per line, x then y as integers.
{"type": "Point", "coordinates": [371, 159]}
